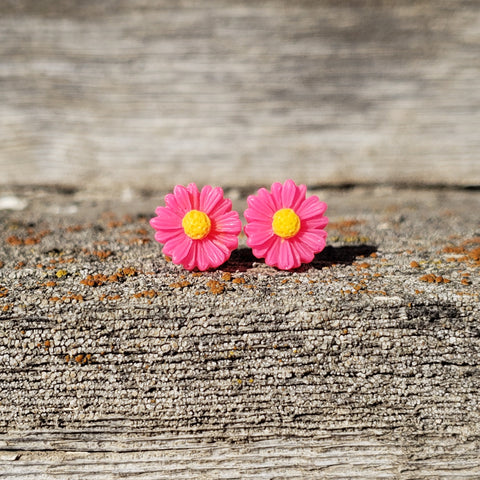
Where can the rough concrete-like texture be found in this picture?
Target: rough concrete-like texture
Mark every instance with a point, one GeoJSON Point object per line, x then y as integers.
{"type": "Point", "coordinates": [375, 346]}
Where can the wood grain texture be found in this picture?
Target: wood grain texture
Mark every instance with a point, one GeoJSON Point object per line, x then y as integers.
{"type": "Point", "coordinates": [335, 456]}
{"type": "Point", "coordinates": [150, 93]}
{"type": "Point", "coordinates": [353, 366]}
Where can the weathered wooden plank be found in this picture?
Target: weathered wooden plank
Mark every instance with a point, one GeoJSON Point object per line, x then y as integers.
{"type": "Point", "coordinates": [355, 366]}
{"type": "Point", "coordinates": [235, 93]}
{"type": "Point", "coordinates": [360, 455]}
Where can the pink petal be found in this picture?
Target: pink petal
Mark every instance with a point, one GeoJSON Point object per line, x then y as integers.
{"type": "Point", "coordinates": [181, 199]}
{"type": "Point", "coordinates": [305, 253]}
{"type": "Point", "coordinates": [165, 220]}
{"type": "Point", "coordinates": [287, 256]}
{"type": "Point", "coordinates": [202, 258]}
{"type": "Point", "coordinates": [261, 206]}
{"type": "Point", "coordinates": [194, 196]}
{"type": "Point", "coordinates": [178, 248]}
{"type": "Point", "coordinates": [190, 261]}
{"type": "Point", "coordinates": [292, 195]}
{"type": "Point", "coordinates": [163, 236]}
{"type": "Point", "coordinates": [227, 223]}
{"type": "Point", "coordinates": [273, 254]}
{"type": "Point", "coordinates": [258, 233]}
{"type": "Point", "coordinates": [224, 206]}
{"type": "Point", "coordinates": [277, 195]}
{"type": "Point", "coordinates": [230, 241]}
{"type": "Point", "coordinates": [315, 240]}
{"type": "Point", "coordinates": [257, 216]}
{"type": "Point", "coordinates": [315, 223]}
{"type": "Point", "coordinates": [311, 207]}
{"type": "Point", "coordinates": [217, 253]}
{"type": "Point", "coordinates": [172, 204]}
{"type": "Point", "coordinates": [210, 198]}
{"type": "Point", "coordinates": [261, 250]}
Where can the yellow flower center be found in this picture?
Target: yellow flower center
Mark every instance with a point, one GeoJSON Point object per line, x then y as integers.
{"type": "Point", "coordinates": [196, 224]}
{"type": "Point", "coordinates": [285, 223]}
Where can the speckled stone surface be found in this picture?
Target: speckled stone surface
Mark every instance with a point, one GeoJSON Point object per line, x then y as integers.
{"type": "Point", "coordinates": [99, 332]}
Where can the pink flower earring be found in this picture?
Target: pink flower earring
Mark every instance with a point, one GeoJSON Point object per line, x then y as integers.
{"type": "Point", "coordinates": [285, 227]}
{"type": "Point", "coordinates": [198, 229]}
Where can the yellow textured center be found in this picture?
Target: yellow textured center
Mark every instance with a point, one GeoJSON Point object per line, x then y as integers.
{"type": "Point", "coordinates": [285, 223]}
{"type": "Point", "coordinates": [196, 224]}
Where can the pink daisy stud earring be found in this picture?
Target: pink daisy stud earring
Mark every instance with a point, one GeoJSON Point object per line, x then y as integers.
{"type": "Point", "coordinates": [285, 227]}
{"type": "Point", "coordinates": [198, 229]}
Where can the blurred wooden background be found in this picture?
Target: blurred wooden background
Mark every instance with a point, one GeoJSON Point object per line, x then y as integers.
{"type": "Point", "coordinates": [147, 93]}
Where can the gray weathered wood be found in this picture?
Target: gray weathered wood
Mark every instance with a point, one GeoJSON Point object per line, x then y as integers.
{"type": "Point", "coordinates": [351, 367]}
{"type": "Point", "coordinates": [360, 455]}
{"type": "Point", "coordinates": [233, 93]}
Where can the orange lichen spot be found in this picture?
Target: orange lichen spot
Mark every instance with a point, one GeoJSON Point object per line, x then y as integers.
{"type": "Point", "coordinates": [453, 249]}
{"type": "Point", "coordinates": [31, 240]}
{"type": "Point", "coordinates": [167, 258]}
{"type": "Point", "coordinates": [3, 291]}
{"type": "Point", "coordinates": [344, 225]}
{"type": "Point", "coordinates": [19, 265]}
{"type": "Point", "coordinates": [363, 265]}
{"type": "Point", "coordinates": [430, 278]}
{"type": "Point", "coordinates": [74, 228]}
{"type": "Point", "coordinates": [47, 344]}
{"type": "Point", "coordinates": [239, 281]}
{"type": "Point", "coordinates": [284, 281]}
{"type": "Point", "coordinates": [466, 281]}
{"type": "Point", "coordinates": [51, 283]}
{"type": "Point", "coordinates": [14, 240]}
{"type": "Point", "coordinates": [226, 276]}
{"type": "Point", "coordinates": [54, 299]}
{"type": "Point", "coordinates": [374, 255]}
{"type": "Point", "coordinates": [1, 264]}
{"type": "Point", "coordinates": [345, 331]}
{"type": "Point", "coordinates": [215, 287]}
{"type": "Point", "coordinates": [127, 272]}
{"type": "Point", "coordinates": [181, 284]}
{"type": "Point", "coordinates": [5, 308]}
{"type": "Point", "coordinates": [79, 358]}
{"type": "Point", "coordinates": [145, 294]}
{"type": "Point", "coordinates": [418, 292]}
{"type": "Point", "coordinates": [94, 280]}
{"type": "Point", "coordinates": [114, 224]}
{"type": "Point", "coordinates": [474, 254]}
{"type": "Point", "coordinates": [414, 264]}
{"type": "Point", "coordinates": [67, 358]}
{"type": "Point", "coordinates": [102, 254]}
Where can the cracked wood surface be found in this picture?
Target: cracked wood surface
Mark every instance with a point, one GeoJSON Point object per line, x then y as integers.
{"type": "Point", "coordinates": [363, 364]}
{"type": "Point", "coordinates": [233, 93]}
